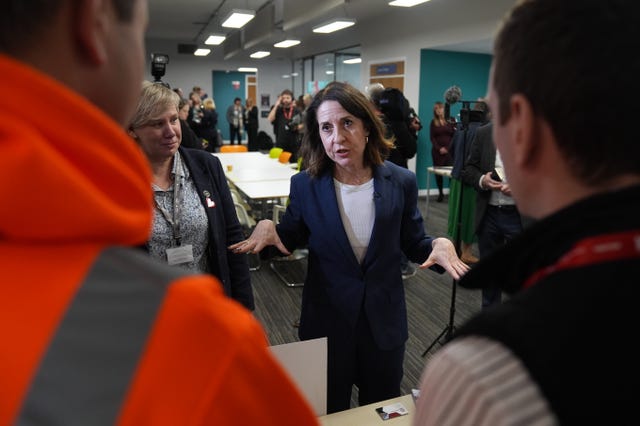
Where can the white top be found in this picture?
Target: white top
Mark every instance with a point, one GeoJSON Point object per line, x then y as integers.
{"type": "Point", "coordinates": [357, 211]}
{"type": "Point", "coordinates": [477, 381]}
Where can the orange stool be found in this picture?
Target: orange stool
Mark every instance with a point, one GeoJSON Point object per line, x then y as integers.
{"type": "Point", "coordinates": [233, 148]}
{"type": "Point", "coordinates": [284, 157]}
{"type": "Point", "coordinates": [275, 152]}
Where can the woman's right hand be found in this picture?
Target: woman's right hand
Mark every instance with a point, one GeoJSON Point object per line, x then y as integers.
{"type": "Point", "coordinates": [264, 234]}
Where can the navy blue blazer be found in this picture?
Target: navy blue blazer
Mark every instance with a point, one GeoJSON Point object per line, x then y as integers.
{"type": "Point", "coordinates": [224, 229]}
{"type": "Point", "coordinates": [337, 287]}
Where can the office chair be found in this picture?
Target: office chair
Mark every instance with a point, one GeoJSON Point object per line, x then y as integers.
{"type": "Point", "coordinates": [290, 269]}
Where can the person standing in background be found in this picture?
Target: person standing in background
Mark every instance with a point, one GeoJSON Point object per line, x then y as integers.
{"type": "Point", "coordinates": [440, 132]}
{"type": "Point", "coordinates": [462, 197]}
{"type": "Point", "coordinates": [286, 131]}
{"type": "Point", "coordinates": [189, 137]}
{"type": "Point", "coordinates": [96, 332]}
{"type": "Point", "coordinates": [251, 124]}
{"type": "Point", "coordinates": [195, 113]}
{"type": "Point", "coordinates": [497, 219]}
{"type": "Point", "coordinates": [395, 109]}
{"type": "Point", "coordinates": [209, 125]}
{"type": "Point", "coordinates": [235, 118]}
{"type": "Point", "coordinates": [200, 92]}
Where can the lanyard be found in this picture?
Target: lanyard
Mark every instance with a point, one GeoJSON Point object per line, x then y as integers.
{"type": "Point", "coordinates": [178, 198]}
{"type": "Point", "coordinates": [287, 113]}
{"type": "Point", "coordinates": [593, 250]}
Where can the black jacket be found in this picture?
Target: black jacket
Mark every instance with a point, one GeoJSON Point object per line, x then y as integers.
{"type": "Point", "coordinates": [570, 329]}
{"type": "Point", "coordinates": [224, 229]}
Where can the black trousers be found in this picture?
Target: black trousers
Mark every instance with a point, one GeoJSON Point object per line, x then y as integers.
{"type": "Point", "coordinates": [499, 225]}
{"type": "Point", "coordinates": [355, 359]}
{"type": "Point", "coordinates": [233, 133]}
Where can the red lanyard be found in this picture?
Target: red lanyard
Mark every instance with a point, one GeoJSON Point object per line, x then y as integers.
{"type": "Point", "coordinates": [288, 113]}
{"type": "Point", "coordinates": [600, 249]}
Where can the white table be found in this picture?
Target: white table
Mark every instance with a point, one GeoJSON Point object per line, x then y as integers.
{"type": "Point", "coordinates": [440, 171]}
{"type": "Point", "coordinates": [257, 176]}
{"type": "Point", "coordinates": [366, 415]}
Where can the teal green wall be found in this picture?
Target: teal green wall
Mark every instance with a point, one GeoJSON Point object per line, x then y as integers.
{"type": "Point", "coordinates": [440, 70]}
{"type": "Point", "coordinates": [224, 93]}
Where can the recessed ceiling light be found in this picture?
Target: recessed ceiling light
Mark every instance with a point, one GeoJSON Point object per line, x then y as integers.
{"type": "Point", "coordinates": [287, 43]}
{"type": "Point", "coordinates": [215, 39]}
{"type": "Point", "coordinates": [352, 61]}
{"type": "Point", "coordinates": [286, 76]}
{"type": "Point", "coordinates": [335, 25]}
{"type": "Point", "coordinates": [238, 18]}
{"type": "Point", "coordinates": [294, 74]}
{"type": "Point", "coordinates": [247, 69]}
{"type": "Point", "coordinates": [202, 52]}
{"type": "Point", "coordinates": [406, 3]}
{"type": "Point", "coordinates": [259, 54]}
{"type": "Point", "coordinates": [329, 72]}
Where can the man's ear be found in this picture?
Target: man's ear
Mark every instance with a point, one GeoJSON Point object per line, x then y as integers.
{"type": "Point", "coordinates": [524, 133]}
{"type": "Point", "coordinates": [92, 25]}
{"type": "Point", "coordinates": [132, 134]}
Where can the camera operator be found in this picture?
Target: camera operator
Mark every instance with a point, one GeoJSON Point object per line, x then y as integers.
{"type": "Point", "coordinates": [393, 108]}
{"type": "Point", "coordinates": [397, 117]}
{"type": "Point", "coordinates": [414, 123]}
{"type": "Point", "coordinates": [283, 116]}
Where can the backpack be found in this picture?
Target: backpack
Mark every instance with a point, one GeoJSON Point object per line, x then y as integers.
{"type": "Point", "coordinates": [265, 142]}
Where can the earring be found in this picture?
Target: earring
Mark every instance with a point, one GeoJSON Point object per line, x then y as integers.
{"type": "Point", "coordinates": [366, 139]}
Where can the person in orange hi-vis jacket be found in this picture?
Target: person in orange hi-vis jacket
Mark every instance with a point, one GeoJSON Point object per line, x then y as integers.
{"type": "Point", "coordinates": [95, 332]}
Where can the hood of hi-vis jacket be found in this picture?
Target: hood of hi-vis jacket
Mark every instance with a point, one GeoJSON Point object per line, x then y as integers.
{"type": "Point", "coordinates": [68, 173]}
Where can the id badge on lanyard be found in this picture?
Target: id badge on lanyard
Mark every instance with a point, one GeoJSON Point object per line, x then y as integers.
{"type": "Point", "coordinates": [181, 253]}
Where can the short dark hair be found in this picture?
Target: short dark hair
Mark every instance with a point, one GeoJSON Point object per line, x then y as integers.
{"type": "Point", "coordinates": [315, 159]}
{"type": "Point", "coordinates": [21, 20]}
{"type": "Point", "coordinates": [565, 57]}
{"type": "Point", "coordinates": [287, 92]}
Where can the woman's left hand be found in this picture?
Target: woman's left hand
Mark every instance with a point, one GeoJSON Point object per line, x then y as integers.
{"type": "Point", "coordinates": [444, 254]}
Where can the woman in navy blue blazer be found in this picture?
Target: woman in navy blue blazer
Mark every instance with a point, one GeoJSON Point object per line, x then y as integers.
{"type": "Point", "coordinates": [356, 213]}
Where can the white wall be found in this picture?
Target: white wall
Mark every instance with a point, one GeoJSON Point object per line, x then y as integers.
{"type": "Point", "coordinates": [185, 71]}
{"type": "Point", "coordinates": [381, 39]}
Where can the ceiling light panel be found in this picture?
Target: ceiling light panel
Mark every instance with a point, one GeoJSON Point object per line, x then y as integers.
{"type": "Point", "coordinates": [287, 43]}
{"type": "Point", "coordinates": [238, 18]}
{"type": "Point", "coordinates": [335, 25]}
{"type": "Point", "coordinates": [202, 52]}
{"type": "Point", "coordinates": [406, 3]}
{"type": "Point", "coordinates": [215, 39]}
{"type": "Point", "coordinates": [260, 54]}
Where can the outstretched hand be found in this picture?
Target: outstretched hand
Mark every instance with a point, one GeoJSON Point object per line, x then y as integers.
{"type": "Point", "coordinates": [264, 234]}
{"type": "Point", "coordinates": [444, 254]}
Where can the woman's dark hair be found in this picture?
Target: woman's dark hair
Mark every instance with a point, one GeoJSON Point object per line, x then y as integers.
{"type": "Point", "coordinates": [315, 159]}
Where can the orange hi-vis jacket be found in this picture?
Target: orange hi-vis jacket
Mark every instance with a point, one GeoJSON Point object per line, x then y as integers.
{"type": "Point", "coordinates": [94, 332]}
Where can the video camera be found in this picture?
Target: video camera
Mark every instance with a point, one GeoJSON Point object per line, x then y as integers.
{"type": "Point", "coordinates": [159, 63]}
{"type": "Point", "coordinates": [476, 115]}
{"type": "Point", "coordinates": [392, 104]}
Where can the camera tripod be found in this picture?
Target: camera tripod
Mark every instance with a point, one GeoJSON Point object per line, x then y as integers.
{"type": "Point", "coordinates": [447, 332]}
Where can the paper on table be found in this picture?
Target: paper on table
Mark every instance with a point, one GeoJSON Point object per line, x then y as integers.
{"type": "Point", "coordinates": [387, 412]}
